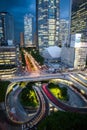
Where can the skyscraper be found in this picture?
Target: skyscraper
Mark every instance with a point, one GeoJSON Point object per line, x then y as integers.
{"type": "Point", "coordinates": [79, 29]}
{"type": "Point", "coordinates": [6, 29]}
{"type": "Point", "coordinates": [47, 20]}
{"type": "Point", "coordinates": [28, 30]}
{"type": "Point", "coordinates": [79, 18]}
{"type": "Point", "coordinates": [7, 49]}
{"type": "Point", "coordinates": [64, 32]}
{"type": "Point", "coordinates": [76, 55]}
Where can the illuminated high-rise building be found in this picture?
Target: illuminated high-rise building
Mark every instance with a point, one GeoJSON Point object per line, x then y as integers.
{"type": "Point", "coordinates": [76, 55]}
{"type": "Point", "coordinates": [28, 30]}
{"type": "Point", "coordinates": [79, 18]}
{"type": "Point", "coordinates": [64, 32]}
{"type": "Point", "coordinates": [47, 20]}
{"type": "Point", "coordinates": [6, 29]}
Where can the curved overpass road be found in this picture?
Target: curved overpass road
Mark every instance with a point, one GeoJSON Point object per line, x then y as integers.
{"type": "Point", "coordinates": [78, 80]}
{"type": "Point", "coordinates": [43, 111]}
{"type": "Point", "coordinates": [14, 106]}
{"type": "Point", "coordinates": [21, 117]}
{"type": "Point", "coordinates": [60, 104]}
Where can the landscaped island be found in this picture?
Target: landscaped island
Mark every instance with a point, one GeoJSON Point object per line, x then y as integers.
{"type": "Point", "coordinates": [28, 96]}
{"type": "Point", "coordinates": [58, 92]}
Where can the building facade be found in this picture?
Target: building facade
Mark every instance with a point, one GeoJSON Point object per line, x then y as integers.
{"type": "Point", "coordinates": [67, 56]}
{"type": "Point", "coordinates": [47, 20]}
{"type": "Point", "coordinates": [6, 29]}
{"type": "Point", "coordinates": [21, 39]}
{"type": "Point", "coordinates": [64, 32]}
{"type": "Point", "coordinates": [8, 55]}
{"type": "Point", "coordinates": [8, 60]}
{"type": "Point", "coordinates": [28, 30]}
{"type": "Point", "coordinates": [80, 57]}
{"type": "Point", "coordinates": [76, 55]}
{"type": "Point", "coordinates": [79, 18]}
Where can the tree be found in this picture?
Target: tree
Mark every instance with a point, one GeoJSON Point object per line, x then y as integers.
{"type": "Point", "coordinates": [64, 121]}
{"type": "Point", "coordinates": [64, 91]}
{"type": "Point", "coordinates": [3, 89]}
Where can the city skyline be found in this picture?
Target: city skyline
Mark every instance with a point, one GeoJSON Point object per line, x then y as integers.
{"type": "Point", "coordinates": [43, 68]}
{"type": "Point", "coordinates": [19, 8]}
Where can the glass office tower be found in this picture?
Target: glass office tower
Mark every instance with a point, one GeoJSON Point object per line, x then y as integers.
{"type": "Point", "coordinates": [47, 22]}
{"type": "Point", "coordinates": [28, 30]}
{"type": "Point", "coordinates": [79, 18]}
{"type": "Point", "coordinates": [6, 29]}
{"type": "Point", "coordinates": [79, 32]}
{"type": "Point", "coordinates": [64, 32]}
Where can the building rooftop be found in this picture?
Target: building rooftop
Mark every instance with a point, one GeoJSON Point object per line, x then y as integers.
{"type": "Point", "coordinates": [52, 52]}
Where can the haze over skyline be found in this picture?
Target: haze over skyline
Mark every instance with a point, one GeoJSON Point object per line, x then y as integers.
{"type": "Point", "coordinates": [19, 8]}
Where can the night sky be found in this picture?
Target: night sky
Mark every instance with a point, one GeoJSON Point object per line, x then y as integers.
{"type": "Point", "coordinates": [18, 8]}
